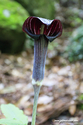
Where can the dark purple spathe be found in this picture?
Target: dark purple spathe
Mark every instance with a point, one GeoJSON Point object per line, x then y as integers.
{"type": "Point", "coordinates": [52, 28]}
{"type": "Point", "coordinates": [42, 31]}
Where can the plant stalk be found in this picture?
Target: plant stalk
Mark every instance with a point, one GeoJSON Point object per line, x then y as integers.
{"type": "Point", "coordinates": [36, 94]}
{"type": "Point", "coordinates": [40, 51]}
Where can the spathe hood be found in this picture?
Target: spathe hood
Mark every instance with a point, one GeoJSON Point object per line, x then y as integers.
{"type": "Point", "coordinates": [36, 26]}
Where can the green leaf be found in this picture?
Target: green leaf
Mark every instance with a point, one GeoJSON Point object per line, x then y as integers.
{"type": "Point", "coordinates": [10, 122]}
{"type": "Point", "coordinates": [12, 112]}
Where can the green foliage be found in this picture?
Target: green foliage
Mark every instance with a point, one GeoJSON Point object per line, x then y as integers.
{"type": "Point", "coordinates": [12, 16]}
{"type": "Point", "coordinates": [80, 106]}
{"type": "Point", "coordinates": [13, 115]}
{"type": "Point", "coordinates": [29, 42]}
{"type": "Point", "coordinates": [40, 8]}
{"type": "Point", "coordinates": [52, 45]}
{"type": "Point", "coordinates": [81, 97]}
{"type": "Point", "coordinates": [75, 49]}
{"type": "Point", "coordinates": [71, 16]}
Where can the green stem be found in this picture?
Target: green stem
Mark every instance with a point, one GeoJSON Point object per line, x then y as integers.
{"type": "Point", "coordinates": [36, 94]}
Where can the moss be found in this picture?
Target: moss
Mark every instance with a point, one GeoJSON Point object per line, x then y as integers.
{"type": "Point", "coordinates": [12, 16]}
{"type": "Point", "coordinates": [16, 14]}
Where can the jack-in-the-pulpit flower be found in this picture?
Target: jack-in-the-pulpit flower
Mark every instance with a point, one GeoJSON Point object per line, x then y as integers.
{"type": "Point", "coordinates": [42, 31]}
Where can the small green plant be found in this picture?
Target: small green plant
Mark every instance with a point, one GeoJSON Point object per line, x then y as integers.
{"type": "Point", "coordinates": [80, 106]}
{"type": "Point", "coordinates": [81, 97]}
{"type": "Point", "coordinates": [14, 116]}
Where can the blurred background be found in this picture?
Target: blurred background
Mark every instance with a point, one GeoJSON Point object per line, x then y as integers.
{"type": "Point", "coordinates": [61, 95]}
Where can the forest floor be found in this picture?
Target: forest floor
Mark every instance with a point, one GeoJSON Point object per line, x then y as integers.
{"type": "Point", "coordinates": [61, 95]}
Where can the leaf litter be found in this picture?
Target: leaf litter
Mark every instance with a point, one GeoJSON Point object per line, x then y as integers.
{"type": "Point", "coordinates": [62, 85]}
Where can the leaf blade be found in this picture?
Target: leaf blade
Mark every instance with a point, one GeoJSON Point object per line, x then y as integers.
{"type": "Point", "coordinates": [12, 112]}
{"type": "Point", "coordinates": [10, 122]}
